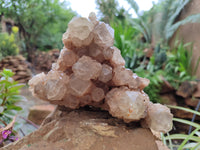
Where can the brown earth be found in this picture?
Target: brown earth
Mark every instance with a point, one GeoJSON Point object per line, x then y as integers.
{"type": "Point", "coordinates": [86, 129]}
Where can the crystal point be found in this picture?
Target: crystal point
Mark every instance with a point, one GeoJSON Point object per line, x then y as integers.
{"type": "Point", "coordinates": [86, 68]}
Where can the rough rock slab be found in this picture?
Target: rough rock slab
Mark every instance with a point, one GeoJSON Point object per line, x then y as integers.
{"type": "Point", "coordinates": [192, 101]}
{"type": "Point", "coordinates": [19, 67]}
{"type": "Point", "coordinates": [187, 88]}
{"type": "Point", "coordinates": [81, 130]}
{"type": "Point", "coordinates": [169, 99]}
{"type": "Point", "coordinates": [197, 92]}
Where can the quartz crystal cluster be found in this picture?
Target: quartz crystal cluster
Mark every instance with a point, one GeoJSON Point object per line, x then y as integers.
{"type": "Point", "coordinates": [91, 71]}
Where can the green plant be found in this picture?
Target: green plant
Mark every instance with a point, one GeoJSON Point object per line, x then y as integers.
{"type": "Point", "coordinates": [8, 44]}
{"type": "Point", "coordinates": [178, 65]}
{"type": "Point", "coordinates": [110, 11]}
{"type": "Point", "coordinates": [144, 21]}
{"type": "Point", "coordinates": [9, 96]}
{"type": "Point", "coordinates": [155, 85]}
{"type": "Point", "coordinates": [127, 40]}
{"type": "Point", "coordinates": [190, 141]}
{"type": "Point", "coordinates": [170, 10]}
{"type": "Point", "coordinates": [48, 14]}
{"type": "Point", "coordinates": [160, 21]}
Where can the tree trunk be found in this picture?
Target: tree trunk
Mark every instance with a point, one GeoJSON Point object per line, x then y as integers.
{"type": "Point", "coordinates": [30, 53]}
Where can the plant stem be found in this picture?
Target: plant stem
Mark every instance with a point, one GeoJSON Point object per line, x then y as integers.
{"type": "Point", "coordinates": [4, 98]}
{"type": "Point", "coordinates": [30, 122]}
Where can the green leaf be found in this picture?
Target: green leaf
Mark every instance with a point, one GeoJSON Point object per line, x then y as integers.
{"type": "Point", "coordinates": [5, 83]}
{"type": "Point", "coordinates": [182, 137]}
{"type": "Point", "coordinates": [190, 19]}
{"type": "Point", "coordinates": [13, 107]}
{"type": "Point", "coordinates": [15, 88]}
{"type": "Point", "coordinates": [16, 98]}
{"type": "Point", "coordinates": [196, 125]}
{"type": "Point", "coordinates": [7, 73]}
{"type": "Point", "coordinates": [185, 109]}
{"type": "Point", "coordinates": [9, 113]}
{"type": "Point", "coordinates": [190, 145]}
{"type": "Point", "coordinates": [196, 147]}
{"type": "Point", "coordinates": [188, 138]}
{"type": "Point", "coordinates": [1, 100]}
{"type": "Point", "coordinates": [1, 109]}
{"type": "Point", "coordinates": [134, 5]}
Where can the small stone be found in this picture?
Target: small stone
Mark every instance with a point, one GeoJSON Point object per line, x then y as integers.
{"type": "Point", "coordinates": [66, 59]}
{"type": "Point", "coordinates": [197, 92]}
{"type": "Point", "coordinates": [159, 118]}
{"type": "Point", "coordinates": [78, 33]}
{"type": "Point", "coordinates": [103, 35]}
{"type": "Point", "coordinates": [117, 59]}
{"type": "Point", "coordinates": [187, 88]}
{"type": "Point", "coordinates": [106, 73]}
{"type": "Point", "coordinates": [169, 99]}
{"type": "Point", "coordinates": [86, 68]}
{"type": "Point", "coordinates": [79, 87]}
{"type": "Point", "coordinates": [126, 104]}
{"type": "Point", "coordinates": [97, 94]}
{"type": "Point", "coordinates": [192, 101]}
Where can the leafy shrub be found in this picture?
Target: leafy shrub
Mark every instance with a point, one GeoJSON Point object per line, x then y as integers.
{"type": "Point", "coordinates": [8, 44]}
{"type": "Point", "coordinates": [9, 95]}
{"type": "Point", "coordinates": [178, 66]}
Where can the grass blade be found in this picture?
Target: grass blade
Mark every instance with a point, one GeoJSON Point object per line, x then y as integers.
{"type": "Point", "coordinates": [196, 125]}
{"type": "Point", "coordinates": [182, 137]}
{"type": "Point", "coordinates": [188, 138]}
{"type": "Point", "coordinates": [185, 109]}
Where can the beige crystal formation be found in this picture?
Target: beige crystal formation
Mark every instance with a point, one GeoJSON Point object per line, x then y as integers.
{"type": "Point", "coordinates": [91, 71]}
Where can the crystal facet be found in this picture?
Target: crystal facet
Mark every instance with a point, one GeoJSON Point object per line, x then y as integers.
{"type": "Point", "coordinates": [86, 68]}
{"type": "Point", "coordinates": [127, 104]}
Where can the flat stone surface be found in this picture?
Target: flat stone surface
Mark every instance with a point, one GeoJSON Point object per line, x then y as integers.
{"type": "Point", "coordinates": [39, 112]}
{"type": "Point", "coordinates": [81, 130]}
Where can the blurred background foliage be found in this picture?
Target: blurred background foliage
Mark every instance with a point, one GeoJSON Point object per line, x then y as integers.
{"type": "Point", "coordinates": [8, 45]}
{"type": "Point", "coordinates": [41, 23]}
{"type": "Point", "coordinates": [144, 42]}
